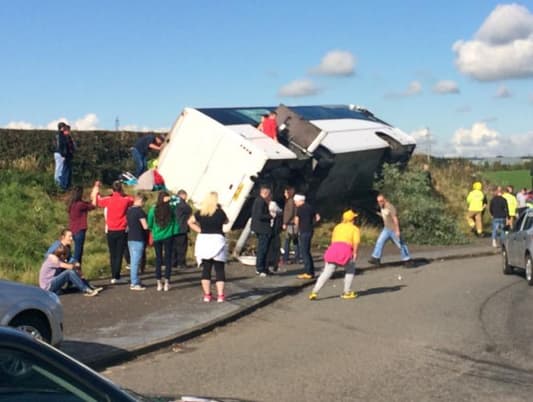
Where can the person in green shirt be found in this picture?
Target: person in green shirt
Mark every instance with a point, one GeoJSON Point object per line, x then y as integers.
{"type": "Point", "coordinates": [162, 223]}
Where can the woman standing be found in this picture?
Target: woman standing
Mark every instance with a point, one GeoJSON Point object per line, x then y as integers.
{"type": "Point", "coordinates": [210, 246]}
{"type": "Point", "coordinates": [78, 210]}
{"type": "Point", "coordinates": [162, 224]}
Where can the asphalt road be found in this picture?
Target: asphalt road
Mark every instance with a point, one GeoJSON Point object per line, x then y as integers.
{"type": "Point", "coordinates": [449, 331]}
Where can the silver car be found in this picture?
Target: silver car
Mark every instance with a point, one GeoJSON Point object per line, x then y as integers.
{"type": "Point", "coordinates": [32, 310]}
{"type": "Point", "coordinates": [517, 247]}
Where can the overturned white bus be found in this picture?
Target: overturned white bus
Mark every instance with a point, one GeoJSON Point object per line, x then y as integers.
{"type": "Point", "coordinates": [330, 153]}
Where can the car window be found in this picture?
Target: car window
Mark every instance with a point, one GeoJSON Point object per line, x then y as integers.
{"type": "Point", "coordinates": [26, 377]}
{"type": "Point", "coordinates": [518, 223]}
{"type": "Point", "coordinates": [528, 224]}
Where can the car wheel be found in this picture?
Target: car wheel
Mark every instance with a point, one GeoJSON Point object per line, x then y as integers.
{"type": "Point", "coordinates": [529, 270]}
{"type": "Point", "coordinates": [507, 269]}
{"type": "Point", "coordinates": [34, 325]}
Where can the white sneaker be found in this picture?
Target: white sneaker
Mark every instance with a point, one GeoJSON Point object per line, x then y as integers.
{"type": "Point", "coordinates": [159, 286]}
{"type": "Point", "coordinates": [166, 285]}
{"type": "Point", "coordinates": [117, 281]}
{"type": "Point", "coordinates": [137, 287]}
{"type": "Point", "coordinates": [98, 289]}
{"type": "Point", "coordinates": [263, 275]}
{"type": "Point", "coordinates": [90, 293]}
{"type": "Point", "coordinates": [494, 243]}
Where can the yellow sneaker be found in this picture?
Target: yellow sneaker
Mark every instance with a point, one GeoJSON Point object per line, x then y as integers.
{"type": "Point", "coordinates": [305, 276]}
{"type": "Point", "coordinates": [313, 296]}
{"type": "Point", "coordinates": [348, 295]}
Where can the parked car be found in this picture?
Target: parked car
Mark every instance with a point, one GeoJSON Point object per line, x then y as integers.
{"type": "Point", "coordinates": [32, 310]}
{"type": "Point", "coordinates": [517, 247]}
{"type": "Point", "coordinates": [31, 370]}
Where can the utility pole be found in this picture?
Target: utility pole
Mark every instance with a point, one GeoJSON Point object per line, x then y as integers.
{"type": "Point", "coordinates": [428, 144]}
{"type": "Point", "coordinates": [117, 123]}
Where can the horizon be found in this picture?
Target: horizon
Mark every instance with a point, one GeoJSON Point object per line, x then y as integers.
{"type": "Point", "coordinates": [456, 76]}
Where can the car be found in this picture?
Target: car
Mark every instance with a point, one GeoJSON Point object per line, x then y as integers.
{"type": "Point", "coordinates": [32, 370]}
{"type": "Point", "coordinates": [32, 310]}
{"type": "Point", "coordinates": [517, 246]}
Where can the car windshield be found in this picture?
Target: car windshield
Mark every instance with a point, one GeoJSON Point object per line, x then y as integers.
{"type": "Point", "coordinates": [231, 116]}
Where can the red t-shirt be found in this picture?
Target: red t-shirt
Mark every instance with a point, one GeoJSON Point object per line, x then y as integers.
{"type": "Point", "coordinates": [270, 128]}
{"type": "Point", "coordinates": [117, 205]}
{"type": "Point", "coordinates": [78, 215]}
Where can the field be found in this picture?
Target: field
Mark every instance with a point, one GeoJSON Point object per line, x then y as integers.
{"type": "Point", "coordinates": [517, 178]}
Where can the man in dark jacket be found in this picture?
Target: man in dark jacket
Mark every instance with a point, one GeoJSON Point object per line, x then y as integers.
{"type": "Point", "coordinates": [58, 158]}
{"type": "Point", "coordinates": [291, 234]}
{"type": "Point", "coordinates": [66, 148]}
{"type": "Point", "coordinates": [261, 227]}
{"type": "Point", "coordinates": [500, 213]}
{"type": "Point", "coordinates": [183, 212]}
{"type": "Point", "coordinates": [140, 150]}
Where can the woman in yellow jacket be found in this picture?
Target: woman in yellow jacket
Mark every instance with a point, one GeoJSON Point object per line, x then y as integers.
{"type": "Point", "coordinates": [342, 252]}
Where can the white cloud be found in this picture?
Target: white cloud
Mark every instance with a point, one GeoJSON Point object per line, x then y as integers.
{"type": "Point", "coordinates": [136, 128]}
{"type": "Point", "coordinates": [336, 63]}
{"type": "Point", "coordinates": [503, 92]}
{"type": "Point", "coordinates": [88, 122]}
{"type": "Point", "coordinates": [502, 48]}
{"type": "Point", "coordinates": [446, 87]}
{"type": "Point", "coordinates": [19, 125]}
{"type": "Point", "coordinates": [299, 88]}
{"type": "Point", "coordinates": [414, 88]}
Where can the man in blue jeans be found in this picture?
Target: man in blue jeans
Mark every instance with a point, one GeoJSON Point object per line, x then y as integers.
{"type": "Point", "coordinates": [391, 230]}
{"type": "Point", "coordinates": [140, 150]}
{"type": "Point", "coordinates": [499, 210]}
{"type": "Point", "coordinates": [305, 220]}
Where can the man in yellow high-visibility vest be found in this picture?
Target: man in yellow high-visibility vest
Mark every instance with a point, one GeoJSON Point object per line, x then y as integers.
{"type": "Point", "coordinates": [477, 202]}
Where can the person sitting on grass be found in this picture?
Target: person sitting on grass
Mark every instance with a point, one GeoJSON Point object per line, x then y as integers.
{"type": "Point", "coordinates": [48, 280]}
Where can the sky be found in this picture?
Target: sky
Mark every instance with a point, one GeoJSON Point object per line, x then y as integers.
{"type": "Point", "coordinates": [457, 75]}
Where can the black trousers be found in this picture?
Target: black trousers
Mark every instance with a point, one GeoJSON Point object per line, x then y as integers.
{"type": "Point", "coordinates": [208, 265]}
{"type": "Point", "coordinates": [116, 242]}
{"type": "Point", "coordinates": [179, 256]}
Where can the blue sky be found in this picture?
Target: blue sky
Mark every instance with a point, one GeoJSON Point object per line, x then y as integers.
{"type": "Point", "coordinates": [89, 62]}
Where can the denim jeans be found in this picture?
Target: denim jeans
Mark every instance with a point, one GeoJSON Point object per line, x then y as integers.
{"type": "Point", "coordinates": [497, 228]}
{"type": "Point", "coordinates": [163, 250]}
{"type": "Point", "coordinates": [304, 243]}
{"type": "Point", "coordinates": [66, 174]}
{"type": "Point", "coordinates": [140, 162]}
{"type": "Point", "coordinates": [58, 168]}
{"type": "Point", "coordinates": [79, 241]}
{"type": "Point", "coordinates": [263, 242]}
{"type": "Point", "coordinates": [385, 235]}
{"type": "Point", "coordinates": [136, 254]}
{"type": "Point", "coordinates": [290, 238]}
{"type": "Point", "coordinates": [68, 275]}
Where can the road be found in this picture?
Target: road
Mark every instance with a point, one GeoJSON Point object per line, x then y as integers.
{"type": "Point", "coordinates": [448, 331]}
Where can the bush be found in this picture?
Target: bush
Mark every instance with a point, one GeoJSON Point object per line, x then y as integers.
{"type": "Point", "coordinates": [423, 213]}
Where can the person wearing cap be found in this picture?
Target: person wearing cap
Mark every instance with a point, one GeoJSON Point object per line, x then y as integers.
{"type": "Point", "coordinates": [391, 230]}
{"type": "Point", "coordinates": [477, 202]}
{"type": "Point", "coordinates": [342, 252]}
{"type": "Point", "coordinates": [261, 227]}
{"type": "Point", "coordinates": [305, 220]}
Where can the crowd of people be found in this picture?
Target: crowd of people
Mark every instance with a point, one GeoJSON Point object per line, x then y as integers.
{"type": "Point", "coordinates": [504, 207]}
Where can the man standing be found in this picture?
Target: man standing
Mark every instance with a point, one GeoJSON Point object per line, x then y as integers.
{"type": "Point", "coordinates": [66, 148]}
{"type": "Point", "coordinates": [500, 213]}
{"type": "Point", "coordinates": [391, 230]}
{"type": "Point", "coordinates": [512, 204]}
{"type": "Point", "coordinates": [58, 158]}
{"type": "Point", "coordinates": [261, 227]}
{"type": "Point", "coordinates": [140, 151]}
{"type": "Point", "coordinates": [183, 212]}
{"type": "Point", "coordinates": [270, 126]}
{"type": "Point", "coordinates": [291, 235]}
{"type": "Point", "coordinates": [521, 198]}
{"type": "Point", "coordinates": [477, 202]}
{"type": "Point", "coordinates": [305, 220]}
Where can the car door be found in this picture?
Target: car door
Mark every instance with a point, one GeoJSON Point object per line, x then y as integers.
{"type": "Point", "coordinates": [513, 249]}
{"type": "Point", "coordinates": [520, 240]}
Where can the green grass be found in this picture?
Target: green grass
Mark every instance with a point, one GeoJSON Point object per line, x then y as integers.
{"type": "Point", "coordinates": [517, 178]}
